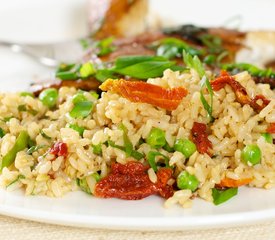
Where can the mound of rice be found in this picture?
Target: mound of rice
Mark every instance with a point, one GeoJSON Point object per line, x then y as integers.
{"type": "Point", "coordinates": [235, 126]}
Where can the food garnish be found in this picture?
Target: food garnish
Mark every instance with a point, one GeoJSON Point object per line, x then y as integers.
{"type": "Point", "coordinates": [137, 91]}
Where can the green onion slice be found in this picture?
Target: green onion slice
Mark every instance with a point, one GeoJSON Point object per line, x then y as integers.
{"type": "Point", "coordinates": [221, 196]}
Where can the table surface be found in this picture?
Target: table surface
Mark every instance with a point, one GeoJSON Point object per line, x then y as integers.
{"type": "Point", "coordinates": [11, 228]}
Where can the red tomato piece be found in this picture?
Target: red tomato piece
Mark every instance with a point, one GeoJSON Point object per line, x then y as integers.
{"type": "Point", "coordinates": [131, 182]}
{"type": "Point", "coordinates": [138, 91]}
{"type": "Point", "coordinates": [200, 138]}
{"type": "Point", "coordinates": [59, 149]}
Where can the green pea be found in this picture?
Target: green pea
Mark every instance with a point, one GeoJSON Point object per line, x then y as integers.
{"type": "Point", "coordinates": [97, 149]}
{"type": "Point", "coordinates": [49, 97]}
{"type": "Point", "coordinates": [251, 154]}
{"type": "Point", "coordinates": [185, 146]}
{"type": "Point", "coordinates": [268, 137]}
{"type": "Point", "coordinates": [82, 109]}
{"type": "Point", "coordinates": [185, 180]}
{"type": "Point", "coordinates": [79, 97]}
{"type": "Point", "coordinates": [156, 138]}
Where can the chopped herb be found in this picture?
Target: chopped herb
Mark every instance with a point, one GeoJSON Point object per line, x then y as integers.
{"type": "Point", "coordinates": [94, 94]}
{"type": "Point", "coordinates": [82, 183]}
{"type": "Point", "coordinates": [142, 67]}
{"type": "Point", "coordinates": [135, 154]}
{"type": "Point", "coordinates": [22, 108]}
{"type": "Point", "coordinates": [195, 63]}
{"type": "Point", "coordinates": [68, 71]}
{"type": "Point", "coordinates": [44, 135]}
{"type": "Point", "coordinates": [33, 149]}
{"type": "Point", "coordinates": [7, 119]}
{"type": "Point", "coordinates": [105, 46]}
{"type": "Point", "coordinates": [173, 47]}
{"type": "Point", "coordinates": [25, 94]}
{"type": "Point", "coordinates": [20, 176]}
{"type": "Point", "coordinates": [32, 111]}
{"type": "Point", "coordinates": [151, 158]}
{"type": "Point", "coordinates": [127, 143]}
{"type": "Point", "coordinates": [77, 128]}
{"type": "Point", "coordinates": [212, 42]}
{"type": "Point", "coordinates": [85, 43]}
{"type": "Point", "coordinates": [2, 133]}
{"type": "Point", "coordinates": [97, 149]}
{"type": "Point", "coordinates": [253, 70]}
{"type": "Point", "coordinates": [87, 70]}
{"type": "Point", "coordinates": [268, 137]}
{"type": "Point", "coordinates": [209, 59]}
{"type": "Point", "coordinates": [221, 196]}
{"type": "Point", "coordinates": [103, 74]}
{"type": "Point", "coordinates": [168, 148]}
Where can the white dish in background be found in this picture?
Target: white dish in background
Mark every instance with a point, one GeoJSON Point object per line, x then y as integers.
{"type": "Point", "coordinates": [80, 209]}
{"type": "Point", "coordinates": [40, 21]}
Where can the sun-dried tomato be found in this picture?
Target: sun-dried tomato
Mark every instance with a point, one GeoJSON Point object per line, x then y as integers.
{"type": "Point", "coordinates": [200, 138]}
{"type": "Point", "coordinates": [131, 182]}
{"type": "Point", "coordinates": [229, 182]}
{"type": "Point", "coordinates": [59, 149]}
{"type": "Point", "coordinates": [138, 91]}
{"type": "Point", "coordinates": [271, 128]}
{"type": "Point", "coordinates": [225, 78]}
{"type": "Point", "coordinates": [258, 107]}
{"type": "Point", "coordinates": [241, 93]}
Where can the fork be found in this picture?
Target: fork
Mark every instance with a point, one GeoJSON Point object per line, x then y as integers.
{"type": "Point", "coordinates": [50, 55]}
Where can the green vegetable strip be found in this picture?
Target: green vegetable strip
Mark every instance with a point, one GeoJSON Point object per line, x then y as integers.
{"type": "Point", "coordinates": [87, 70]}
{"type": "Point", "coordinates": [221, 196]}
{"type": "Point", "coordinates": [2, 133]}
{"type": "Point", "coordinates": [105, 46]}
{"type": "Point", "coordinates": [135, 154]}
{"type": "Point", "coordinates": [173, 47]}
{"type": "Point", "coordinates": [44, 135]}
{"type": "Point", "coordinates": [253, 70]}
{"type": "Point", "coordinates": [97, 149]}
{"type": "Point", "coordinates": [126, 61]}
{"type": "Point", "coordinates": [33, 149]}
{"type": "Point", "coordinates": [195, 63]}
{"type": "Point", "coordinates": [20, 144]}
{"type": "Point", "coordinates": [151, 158]}
{"type": "Point", "coordinates": [145, 70]}
{"type": "Point", "coordinates": [77, 128]}
{"type": "Point", "coordinates": [82, 183]}
{"type": "Point", "coordinates": [268, 137]}
{"type": "Point", "coordinates": [127, 143]}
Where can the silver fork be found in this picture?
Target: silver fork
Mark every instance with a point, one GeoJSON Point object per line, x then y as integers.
{"type": "Point", "coordinates": [50, 55]}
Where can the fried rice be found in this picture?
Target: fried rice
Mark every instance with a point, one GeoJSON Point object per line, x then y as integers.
{"type": "Point", "coordinates": [43, 173]}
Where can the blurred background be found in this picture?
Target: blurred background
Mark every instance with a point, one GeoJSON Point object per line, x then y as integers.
{"type": "Point", "coordinates": [44, 21]}
{"type": "Point", "coordinates": [40, 23]}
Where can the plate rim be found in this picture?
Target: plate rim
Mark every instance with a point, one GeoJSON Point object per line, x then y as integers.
{"type": "Point", "coordinates": [141, 223]}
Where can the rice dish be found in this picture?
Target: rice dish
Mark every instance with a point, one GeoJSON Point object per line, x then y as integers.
{"type": "Point", "coordinates": [42, 172]}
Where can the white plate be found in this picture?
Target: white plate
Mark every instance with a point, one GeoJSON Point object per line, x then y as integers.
{"type": "Point", "coordinates": [79, 209]}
